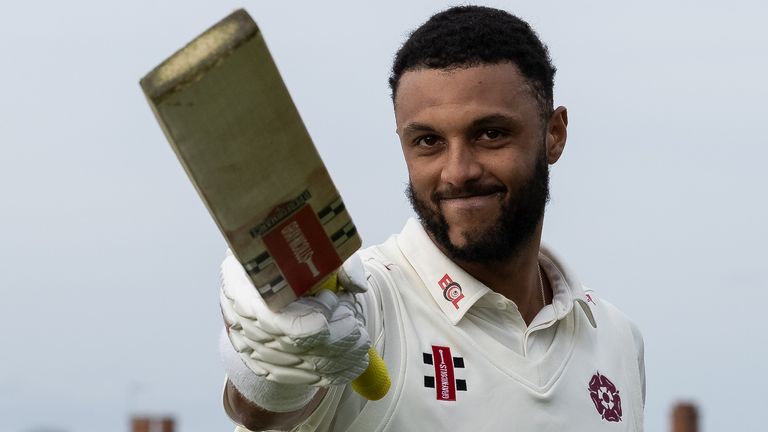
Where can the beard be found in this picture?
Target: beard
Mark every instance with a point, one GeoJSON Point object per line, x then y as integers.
{"type": "Point", "coordinates": [507, 235]}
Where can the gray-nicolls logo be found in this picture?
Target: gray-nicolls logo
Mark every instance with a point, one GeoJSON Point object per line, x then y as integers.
{"type": "Point", "coordinates": [444, 367]}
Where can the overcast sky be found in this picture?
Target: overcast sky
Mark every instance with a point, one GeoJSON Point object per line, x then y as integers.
{"type": "Point", "coordinates": [110, 261]}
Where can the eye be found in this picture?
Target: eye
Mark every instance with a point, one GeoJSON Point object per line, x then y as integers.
{"type": "Point", "coordinates": [491, 134]}
{"type": "Point", "coordinates": [427, 141]}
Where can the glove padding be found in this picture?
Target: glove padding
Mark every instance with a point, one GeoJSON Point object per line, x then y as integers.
{"type": "Point", "coordinates": [318, 341]}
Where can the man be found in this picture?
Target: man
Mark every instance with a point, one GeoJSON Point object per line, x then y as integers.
{"type": "Point", "coordinates": [481, 327]}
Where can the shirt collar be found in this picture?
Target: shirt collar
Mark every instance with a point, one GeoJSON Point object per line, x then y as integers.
{"type": "Point", "coordinates": [455, 291]}
{"type": "Point", "coordinates": [452, 288]}
{"type": "Point", "coordinates": [567, 289]}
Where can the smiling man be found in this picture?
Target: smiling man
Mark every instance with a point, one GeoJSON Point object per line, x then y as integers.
{"type": "Point", "coordinates": [478, 149]}
{"type": "Point", "coordinates": [481, 326]}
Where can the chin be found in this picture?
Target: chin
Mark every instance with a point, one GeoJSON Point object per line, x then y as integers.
{"type": "Point", "coordinates": [463, 235]}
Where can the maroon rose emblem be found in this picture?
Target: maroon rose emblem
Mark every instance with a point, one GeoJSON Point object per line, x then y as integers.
{"type": "Point", "coordinates": [605, 397]}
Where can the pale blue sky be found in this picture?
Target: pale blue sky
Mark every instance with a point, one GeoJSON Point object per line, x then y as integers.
{"type": "Point", "coordinates": [110, 261]}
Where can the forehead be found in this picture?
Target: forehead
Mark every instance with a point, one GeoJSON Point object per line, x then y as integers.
{"type": "Point", "coordinates": [477, 90]}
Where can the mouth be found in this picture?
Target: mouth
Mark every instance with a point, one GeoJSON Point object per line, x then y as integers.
{"type": "Point", "coordinates": [471, 201]}
{"type": "Point", "coordinates": [471, 194]}
{"type": "Point", "coordinates": [473, 191]}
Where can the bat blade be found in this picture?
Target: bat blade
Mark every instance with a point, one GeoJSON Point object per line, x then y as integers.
{"type": "Point", "coordinates": [230, 119]}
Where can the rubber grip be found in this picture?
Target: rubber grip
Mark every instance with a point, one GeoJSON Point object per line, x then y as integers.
{"type": "Point", "coordinates": [374, 383]}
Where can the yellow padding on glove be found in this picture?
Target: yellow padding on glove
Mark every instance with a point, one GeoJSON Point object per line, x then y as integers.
{"type": "Point", "coordinates": [374, 382]}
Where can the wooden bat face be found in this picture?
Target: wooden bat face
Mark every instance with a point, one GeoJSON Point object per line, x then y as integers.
{"type": "Point", "coordinates": [228, 116]}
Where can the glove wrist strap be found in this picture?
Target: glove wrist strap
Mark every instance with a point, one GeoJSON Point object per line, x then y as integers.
{"type": "Point", "coordinates": [267, 394]}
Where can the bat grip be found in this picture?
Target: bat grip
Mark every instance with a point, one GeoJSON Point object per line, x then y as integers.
{"type": "Point", "coordinates": [374, 382]}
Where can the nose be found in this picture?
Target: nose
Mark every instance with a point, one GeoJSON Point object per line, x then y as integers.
{"type": "Point", "coordinates": [461, 164]}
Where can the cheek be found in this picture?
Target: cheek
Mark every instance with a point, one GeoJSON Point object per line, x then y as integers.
{"type": "Point", "coordinates": [508, 167]}
{"type": "Point", "coordinates": [423, 177]}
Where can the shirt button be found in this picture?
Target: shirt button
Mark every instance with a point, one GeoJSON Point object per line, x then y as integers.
{"type": "Point", "coordinates": [500, 305]}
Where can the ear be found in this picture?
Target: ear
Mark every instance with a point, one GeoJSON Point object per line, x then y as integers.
{"type": "Point", "coordinates": [557, 132]}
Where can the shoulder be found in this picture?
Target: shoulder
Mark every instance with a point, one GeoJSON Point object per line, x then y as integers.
{"type": "Point", "coordinates": [614, 318]}
{"type": "Point", "coordinates": [381, 261]}
{"type": "Point", "coordinates": [603, 312]}
{"type": "Point", "coordinates": [383, 252]}
{"type": "Point", "coordinates": [606, 313]}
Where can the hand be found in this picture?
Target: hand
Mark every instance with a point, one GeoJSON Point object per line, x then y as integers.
{"type": "Point", "coordinates": [318, 341]}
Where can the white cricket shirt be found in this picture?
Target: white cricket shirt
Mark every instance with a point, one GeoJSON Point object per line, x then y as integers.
{"type": "Point", "coordinates": [462, 359]}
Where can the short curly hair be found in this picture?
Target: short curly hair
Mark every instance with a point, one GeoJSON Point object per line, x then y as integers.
{"type": "Point", "coordinates": [465, 36]}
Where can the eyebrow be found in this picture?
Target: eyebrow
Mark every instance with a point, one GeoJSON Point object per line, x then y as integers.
{"type": "Point", "coordinates": [417, 127]}
{"type": "Point", "coordinates": [490, 119]}
{"type": "Point", "coordinates": [494, 119]}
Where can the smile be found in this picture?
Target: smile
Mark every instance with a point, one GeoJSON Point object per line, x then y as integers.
{"type": "Point", "coordinates": [471, 202]}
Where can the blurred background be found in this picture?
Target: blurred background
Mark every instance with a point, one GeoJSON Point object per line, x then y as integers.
{"type": "Point", "coordinates": [109, 261]}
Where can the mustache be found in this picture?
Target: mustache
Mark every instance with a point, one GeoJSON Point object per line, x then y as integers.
{"type": "Point", "coordinates": [467, 190]}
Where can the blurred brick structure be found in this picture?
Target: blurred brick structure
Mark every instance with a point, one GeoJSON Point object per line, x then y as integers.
{"type": "Point", "coordinates": [685, 418]}
{"type": "Point", "coordinates": [152, 424]}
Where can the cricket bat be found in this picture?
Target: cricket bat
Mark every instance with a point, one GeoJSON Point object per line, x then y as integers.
{"type": "Point", "coordinates": [229, 117]}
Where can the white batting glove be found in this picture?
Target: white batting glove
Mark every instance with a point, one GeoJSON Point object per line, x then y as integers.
{"type": "Point", "coordinates": [317, 341]}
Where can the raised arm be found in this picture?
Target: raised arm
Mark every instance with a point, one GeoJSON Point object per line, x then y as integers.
{"type": "Point", "coordinates": [278, 364]}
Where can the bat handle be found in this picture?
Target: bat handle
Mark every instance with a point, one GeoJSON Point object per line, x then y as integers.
{"type": "Point", "coordinates": [374, 382]}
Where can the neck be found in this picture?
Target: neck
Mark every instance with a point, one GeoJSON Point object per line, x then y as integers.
{"type": "Point", "coordinates": [516, 277]}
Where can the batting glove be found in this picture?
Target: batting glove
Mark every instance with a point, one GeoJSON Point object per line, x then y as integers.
{"type": "Point", "coordinates": [314, 341]}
